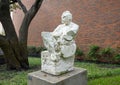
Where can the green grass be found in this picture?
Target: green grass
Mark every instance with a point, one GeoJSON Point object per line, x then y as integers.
{"type": "Point", "coordinates": [18, 77]}
{"type": "Point", "coordinates": [99, 70]}
{"type": "Point", "coordinates": [98, 74]}
{"type": "Point", "coordinates": [34, 62]}
{"type": "Point", "coordinates": [113, 80]}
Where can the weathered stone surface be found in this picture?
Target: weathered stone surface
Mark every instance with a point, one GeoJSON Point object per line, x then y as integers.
{"type": "Point", "coordinates": [61, 47]}
{"type": "Point", "coordinates": [76, 77]}
{"type": "Point", "coordinates": [56, 68]}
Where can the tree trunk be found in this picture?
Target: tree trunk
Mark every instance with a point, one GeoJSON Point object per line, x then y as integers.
{"type": "Point", "coordinates": [16, 56]}
{"type": "Point", "coordinates": [14, 53]}
{"type": "Point", "coordinates": [14, 48]}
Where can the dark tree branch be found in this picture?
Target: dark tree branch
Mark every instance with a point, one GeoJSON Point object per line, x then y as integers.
{"type": "Point", "coordinates": [35, 7]}
{"type": "Point", "coordinates": [23, 32]}
{"type": "Point", "coordinates": [24, 9]}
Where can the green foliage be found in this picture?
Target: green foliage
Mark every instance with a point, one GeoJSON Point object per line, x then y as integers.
{"type": "Point", "coordinates": [98, 74]}
{"type": "Point", "coordinates": [34, 62]}
{"type": "Point", "coordinates": [107, 52]}
{"type": "Point", "coordinates": [18, 77]}
{"type": "Point", "coordinates": [113, 80]}
{"type": "Point", "coordinates": [117, 56]}
{"type": "Point", "coordinates": [79, 52]}
{"type": "Point", "coordinates": [39, 49]}
{"type": "Point", "coordinates": [35, 51]}
{"type": "Point", "coordinates": [31, 50]}
{"type": "Point", "coordinates": [93, 52]}
{"type": "Point", "coordinates": [99, 70]}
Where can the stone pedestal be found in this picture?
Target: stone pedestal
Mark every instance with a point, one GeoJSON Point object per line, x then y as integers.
{"type": "Point", "coordinates": [76, 77]}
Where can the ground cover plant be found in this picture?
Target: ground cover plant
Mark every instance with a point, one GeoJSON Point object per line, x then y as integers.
{"type": "Point", "coordinates": [99, 54]}
{"type": "Point", "coordinates": [113, 80]}
{"type": "Point", "coordinates": [98, 74]}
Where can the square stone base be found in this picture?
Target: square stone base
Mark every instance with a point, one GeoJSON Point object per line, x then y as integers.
{"type": "Point", "coordinates": [76, 77]}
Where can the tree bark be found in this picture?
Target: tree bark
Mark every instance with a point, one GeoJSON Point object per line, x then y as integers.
{"type": "Point", "coordinates": [29, 15]}
{"type": "Point", "coordinates": [15, 48]}
{"type": "Point", "coordinates": [14, 54]}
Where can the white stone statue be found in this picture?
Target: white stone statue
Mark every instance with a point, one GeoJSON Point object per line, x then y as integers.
{"type": "Point", "coordinates": [61, 47]}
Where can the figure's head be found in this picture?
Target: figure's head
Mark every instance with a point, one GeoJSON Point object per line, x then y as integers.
{"type": "Point", "coordinates": [66, 17]}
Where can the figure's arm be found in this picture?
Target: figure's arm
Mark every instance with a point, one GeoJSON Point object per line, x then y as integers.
{"type": "Point", "coordinates": [75, 28]}
{"type": "Point", "coordinates": [71, 34]}
{"type": "Point", "coordinates": [56, 33]}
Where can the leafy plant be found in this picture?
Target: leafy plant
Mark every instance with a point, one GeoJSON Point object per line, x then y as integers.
{"type": "Point", "coordinates": [107, 54]}
{"type": "Point", "coordinates": [31, 50]}
{"type": "Point", "coordinates": [35, 51]}
{"type": "Point", "coordinates": [107, 51]}
{"type": "Point", "coordinates": [79, 52]}
{"type": "Point", "coordinates": [117, 56]}
{"type": "Point", "coordinates": [93, 52]}
{"type": "Point", "coordinates": [40, 49]}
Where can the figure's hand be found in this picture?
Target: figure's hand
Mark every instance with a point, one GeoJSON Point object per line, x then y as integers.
{"type": "Point", "coordinates": [68, 38]}
{"type": "Point", "coordinates": [71, 33]}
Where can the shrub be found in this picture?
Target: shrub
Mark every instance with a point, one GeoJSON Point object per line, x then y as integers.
{"type": "Point", "coordinates": [79, 52]}
{"type": "Point", "coordinates": [93, 52]}
{"type": "Point", "coordinates": [31, 50]}
{"type": "Point", "coordinates": [35, 51]}
{"type": "Point", "coordinates": [117, 56]}
{"type": "Point", "coordinates": [40, 49]}
{"type": "Point", "coordinates": [107, 54]}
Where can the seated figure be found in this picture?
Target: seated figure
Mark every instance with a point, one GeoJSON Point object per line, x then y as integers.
{"type": "Point", "coordinates": [61, 47]}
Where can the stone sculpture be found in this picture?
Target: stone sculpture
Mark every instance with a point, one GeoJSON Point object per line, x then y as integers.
{"type": "Point", "coordinates": [61, 47]}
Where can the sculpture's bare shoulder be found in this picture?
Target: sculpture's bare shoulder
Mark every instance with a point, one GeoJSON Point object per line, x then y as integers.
{"type": "Point", "coordinates": [75, 25]}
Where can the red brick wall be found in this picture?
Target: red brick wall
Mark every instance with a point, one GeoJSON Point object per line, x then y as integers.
{"type": "Point", "coordinates": [99, 21]}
